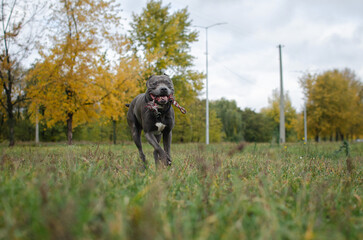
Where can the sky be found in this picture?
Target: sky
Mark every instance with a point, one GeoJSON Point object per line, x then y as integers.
{"type": "Point", "coordinates": [243, 58]}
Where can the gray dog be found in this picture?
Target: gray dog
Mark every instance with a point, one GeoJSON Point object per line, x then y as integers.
{"type": "Point", "coordinates": [152, 112]}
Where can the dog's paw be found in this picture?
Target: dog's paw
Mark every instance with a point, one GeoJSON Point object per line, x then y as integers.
{"type": "Point", "coordinates": [166, 159]}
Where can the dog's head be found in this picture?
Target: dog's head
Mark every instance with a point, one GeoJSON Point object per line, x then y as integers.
{"type": "Point", "coordinates": [159, 88]}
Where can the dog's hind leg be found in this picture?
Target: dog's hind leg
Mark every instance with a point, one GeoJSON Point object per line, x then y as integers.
{"type": "Point", "coordinates": [136, 135]}
{"type": "Point", "coordinates": [156, 154]}
{"type": "Point", "coordinates": [167, 144]}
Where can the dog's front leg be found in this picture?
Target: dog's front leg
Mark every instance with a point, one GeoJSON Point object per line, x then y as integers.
{"type": "Point", "coordinates": [167, 144]}
{"type": "Point", "coordinates": [156, 153]}
{"type": "Point", "coordinates": [162, 154]}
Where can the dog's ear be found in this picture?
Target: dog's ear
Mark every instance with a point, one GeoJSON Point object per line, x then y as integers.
{"type": "Point", "coordinates": [148, 81]}
{"type": "Point", "coordinates": [168, 77]}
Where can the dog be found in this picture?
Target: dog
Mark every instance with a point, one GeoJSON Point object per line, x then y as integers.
{"type": "Point", "coordinates": [152, 112]}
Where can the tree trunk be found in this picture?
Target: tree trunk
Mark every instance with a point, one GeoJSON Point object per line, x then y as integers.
{"type": "Point", "coordinates": [69, 128]}
{"type": "Point", "coordinates": [37, 127]}
{"type": "Point", "coordinates": [11, 129]}
{"type": "Point", "coordinates": [114, 131]}
{"type": "Point", "coordinates": [11, 119]}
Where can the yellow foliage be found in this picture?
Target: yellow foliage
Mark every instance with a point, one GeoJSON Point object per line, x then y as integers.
{"type": "Point", "coordinates": [334, 104]}
{"type": "Point", "coordinates": [123, 87]}
{"type": "Point", "coordinates": [73, 78]}
{"type": "Point", "coordinates": [273, 110]}
{"type": "Point", "coordinates": [66, 85]}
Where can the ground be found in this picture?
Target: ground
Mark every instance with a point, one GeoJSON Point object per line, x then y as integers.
{"type": "Point", "coordinates": [222, 191]}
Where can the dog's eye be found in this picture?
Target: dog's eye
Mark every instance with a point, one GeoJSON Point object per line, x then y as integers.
{"type": "Point", "coordinates": [151, 84]}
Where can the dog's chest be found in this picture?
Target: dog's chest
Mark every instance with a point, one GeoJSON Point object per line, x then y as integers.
{"type": "Point", "coordinates": [160, 127]}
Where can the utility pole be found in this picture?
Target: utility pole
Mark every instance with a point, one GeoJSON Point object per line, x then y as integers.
{"type": "Point", "coordinates": [282, 107]}
{"type": "Point", "coordinates": [206, 89]}
{"type": "Point", "coordinates": [206, 83]}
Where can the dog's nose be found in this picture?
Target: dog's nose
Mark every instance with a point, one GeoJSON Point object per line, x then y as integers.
{"type": "Point", "coordinates": [164, 89]}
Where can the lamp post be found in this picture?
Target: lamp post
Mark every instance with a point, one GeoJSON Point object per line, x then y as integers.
{"type": "Point", "coordinates": [282, 105]}
{"type": "Point", "coordinates": [206, 83]}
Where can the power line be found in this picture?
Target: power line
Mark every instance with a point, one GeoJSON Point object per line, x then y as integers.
{"type": "Point", "coordinates": [233, 72]}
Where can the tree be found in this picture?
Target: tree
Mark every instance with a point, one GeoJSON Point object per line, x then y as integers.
{"type": "Point", "coordinates": [161, 40]}
{"type": "Point", "coordinates": [257, 126]}
{"type": "Point", "coordinates": [192, 128]}
{"type": "Point", "coordinates": [273, 112]}
{"type": "Point", "coordinates": [124, 85]}
{"type": "Point", "coordinates": [334, 104]}
{"type": "Point", "coordinates": [231, 119]}
{"type": "Point", "coordinates": [70, 81]}
{"type": "Point", "coordinates": [241, 125]}
{"type": "Point", "coordinates": [17, 44]}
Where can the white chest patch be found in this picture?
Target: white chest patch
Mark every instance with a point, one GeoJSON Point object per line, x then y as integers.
{"type": "Point", "coordinates": [160, 126]}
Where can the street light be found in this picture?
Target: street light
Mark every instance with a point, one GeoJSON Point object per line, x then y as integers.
{"type": "Point", "coordinates": [206, 83]}
{"type": "Point", "coordinates": [282, 104]}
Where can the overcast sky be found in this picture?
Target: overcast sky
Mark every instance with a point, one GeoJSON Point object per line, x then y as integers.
{"type": "Point", "coordinates": [317, 35]}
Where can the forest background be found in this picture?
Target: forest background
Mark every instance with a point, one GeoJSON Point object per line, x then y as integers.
{"type": "Point", "coordinates": [89, 67]}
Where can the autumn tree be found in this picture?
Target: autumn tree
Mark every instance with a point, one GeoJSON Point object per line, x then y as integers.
{"type": "Point", "coordinates": [334, 104]}
{"type": "Point", "coordinates": [17, 41]}
{"type": "Point", "coordinates": [273, 112]}
{"type": "Point", "coordinates": [70, 81]}
{"type": "Point", "coordinates": [125, 76]}
{"type": "Point", "coordinates": [161, 39]}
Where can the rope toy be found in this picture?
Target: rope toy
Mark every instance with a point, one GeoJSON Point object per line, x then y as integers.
{"type": "Point", "coordinates": [176, 104]}
{"type": "Point", "coordinates": [153, 106]}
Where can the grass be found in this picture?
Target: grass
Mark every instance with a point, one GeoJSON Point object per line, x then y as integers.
{"type": "Point", "coordinates": [216, 192]}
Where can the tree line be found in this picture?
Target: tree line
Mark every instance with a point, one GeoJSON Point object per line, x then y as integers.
{"type": "Point", "coordinates": [88, 67]}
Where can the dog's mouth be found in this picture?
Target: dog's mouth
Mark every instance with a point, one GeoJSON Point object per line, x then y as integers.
{"type": "Point", "coordinates": [162, 99]}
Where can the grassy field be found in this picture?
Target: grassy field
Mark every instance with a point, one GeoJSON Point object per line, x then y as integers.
{"type": "Point", "coordinates": [294, 191]}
